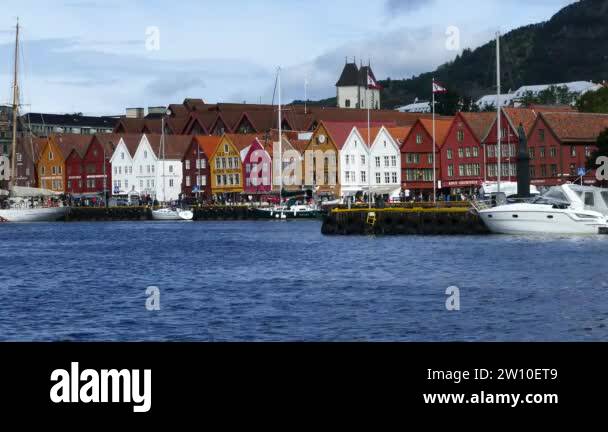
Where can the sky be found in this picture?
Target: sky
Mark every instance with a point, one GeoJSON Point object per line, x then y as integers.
{"type": "Point", "coordinates": [102, 56]}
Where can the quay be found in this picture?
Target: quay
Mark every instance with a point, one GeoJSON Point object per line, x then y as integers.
{"type": "Point", "coordinates": [203, 213]}
{"type": "Point", "coordinates": [404, 221]}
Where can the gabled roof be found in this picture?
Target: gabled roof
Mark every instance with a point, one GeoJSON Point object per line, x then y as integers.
{"type": "Point", "coordinates": [208, 144]}
{"type": "Point", "coordinates": [175, 145]}
{"type": "Point", "coordinates": [576, 127]}
{"type": "Point", "coordinates": [339, 131]}
{"type": "Point", "coordinates": [399, 133]}
{"type": "Point", "coordinates": [68, 142]}
{"type": "Point", "coordinates": [480, 123]}
{"type": "Point", "coordinates": [111, 141]}
{"type": "Point", "coordinates": [442, 127]}
{"type": "Point", "coordinates": [524, 116]}
{"type": "Point", "coordinates": [241, 141]}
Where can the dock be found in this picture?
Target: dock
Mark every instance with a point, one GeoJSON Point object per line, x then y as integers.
{"type": "Point", "coordinates": [404, 221]}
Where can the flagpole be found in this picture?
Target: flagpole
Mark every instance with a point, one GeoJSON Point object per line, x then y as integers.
{"type": "Point", "coordinates": [434, 170]}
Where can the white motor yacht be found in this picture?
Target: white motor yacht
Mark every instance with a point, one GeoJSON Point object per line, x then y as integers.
{"type": "Point", "coordinates": [566, 209]}
{"type": "Point", "coordinates": [169, 214]}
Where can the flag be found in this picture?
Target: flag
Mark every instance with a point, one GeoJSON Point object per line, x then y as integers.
{"type": "Point", "coordinates": [438, 88]}
{"type": "Point", "coordinates": [371, 82]}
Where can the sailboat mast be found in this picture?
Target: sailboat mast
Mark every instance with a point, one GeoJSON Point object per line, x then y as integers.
{"type": "Point", "coordinates": [498, 110]}
{"type": "Point", "coordinates": [280, 138]}
{"type": "Point", "coordinates": [12, 176]}
{"type": "Point", "coordinates": [162, 155]}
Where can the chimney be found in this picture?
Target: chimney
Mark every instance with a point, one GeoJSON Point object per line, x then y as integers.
{"type": "Point", "coordinates": [135, 113]}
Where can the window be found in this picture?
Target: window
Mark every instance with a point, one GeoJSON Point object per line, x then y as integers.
{"type": "Point", "coordinates": [377, 161]}
{"type": "Point", "coordinates": [141, 169]}
{"type": "Point", "coordinates": [217, 163]}
{"type": "Point", "coordinates": [145, 155]}
{"type": "Point", "coordinates": [362, 160]}
{"type": "Point", "coordinates": [203, 180]}
{"type": "Point", "coordinates": [19, 157]}
{"type": "Point", "coordinates": [460, 135]}
{"type": "Point", "coordinates": [122, 156]}
{"type": "Point", "coordinates": [219, 180]}
{"type": "Point", "coordinates": [171, 182]}
{"type": "Point", "coordinates": [450, 170]}
{"type": "Point", "coordinates": [394, 177]}
{"type": "Point", "coordinates": [543, 170]}
{"type": "Point", "coordinates": [187, 164]}
{"type": "Point", "coordinates": [203, 164]}
{"type": "Point", "coordinates": [553, 170]}
{"type": "Point", "coordinates": [126, 184]}
{"type": "Point", "coordinates": [589, 199]}
{"type": "Point", "coordinates": [141, 184]}
{"type": "Point", "coordinates": [418, 138]}
{"type": "Point", "coordinates": [467, 152]}
{"type": "Point", "coordinates": [449, 154]}
{"type": "Point", "coordinates": [347, 176]}
{"type": "Point", "coordinates": [430, 158]}
{"type": "Point", "coordinates": [188, 181]}
{"type": "Point", "coordinates": [461, 170]}
{"type": "Point", "coordinates": [541, 152]}
{"type": "Point", "coordinates": [386, 161]}
{"type": "Point", "coordinates": [363, 177]}
{"type": "Point", "coordinates": [460, 152]}
{"type": "Point", "coordinates": [237, 179]}
{"type": "Point", "coordinates": [553, 151]}
{"type": "Point", "coordinates": [532, 171]}
{"type": "Point", "coordinates": [229, 162]}
{"type": "Point", "coordinates": [475, 151]}
{"type": "Point", "coordinates": [226, 150]}
{"type": "Point", "coordinates": [171, 168]}
{"type": "Point", "coordinates": [51, 156]}
{"type": "Point", "coordinates": [119, 170]}
{"type": "Point", "coordinates": [148, 170]}
{"type": "Point", "coordinates": [378, 178]}
{"type": "Point", "coordinates": [541, 135]}
{"type": "Point", "coordinates": [393, 161]}
{"type": "Point", "coordinates": [572, 151]}
{"type": "Point", "coordinates": [532, 152]}
{"type": "Point", "coordinates": [387, 178]}
{"type": "Point", "coordinates": [352, 159]}
{"type": "Point", "coordinates": [587, 151]}
{"type": "Point", "coordinates": [225, 179]}
{"type": "Point", "coordinates": [347, 103]}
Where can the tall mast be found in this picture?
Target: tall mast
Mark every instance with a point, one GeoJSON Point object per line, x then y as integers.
{"type": "Point", "coordinates": [498, 110]}
{"type": "Point", "coordinates": [280, 139]}
{"type": "Point", "coordinates": [15, 110]}
{"type": "Point", "coordinates": [162, 155]}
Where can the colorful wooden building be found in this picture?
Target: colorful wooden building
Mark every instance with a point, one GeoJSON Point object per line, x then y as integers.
{"type": "Point", "coordinates": [417, 156]}
{"type": "Point", "coordinates": [463, 152]}
{"type": "Point", "coordinates": [51, 165]}
{"type": "Point", "coordinates": [257, 170]}
{"type": "Point", "coordinates": [226, 171]}
{"type": "Point", "coordinates": [197, 169]}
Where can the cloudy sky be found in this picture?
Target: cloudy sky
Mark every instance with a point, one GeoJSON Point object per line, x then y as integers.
{"type": "Point", "coordinates": [100, 56]}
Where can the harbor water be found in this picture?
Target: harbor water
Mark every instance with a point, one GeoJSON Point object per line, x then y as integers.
{"type": "Point", "coordinates": [284, 281]}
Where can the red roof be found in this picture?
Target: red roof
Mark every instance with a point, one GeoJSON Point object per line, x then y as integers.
{"type": "Point", "coordinates": [442, 127]}
{"type": "Point", "coordinates": [208, 144]}
{"type": "Point", "coordinates": [175, 145]}
{"type": "Point", "coordinates": [576, 127]}
{"type": "Point", "coordinates": [480, 123]}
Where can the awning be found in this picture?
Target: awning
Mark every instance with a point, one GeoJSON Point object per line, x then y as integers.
{"type": "Point", "coordinates": [27, 192]}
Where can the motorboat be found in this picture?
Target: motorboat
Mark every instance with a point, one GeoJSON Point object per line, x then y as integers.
{"type": "Point", "coordinates": [296, 211]}
{"type": "Point", "coordinates": [171, 214]}
{"type": "Point", "coordinates": [565, 209]}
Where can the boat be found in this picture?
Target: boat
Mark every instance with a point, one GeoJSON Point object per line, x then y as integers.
{"type": "Point", "coordinates": [566, 209]}
{"type": "Point", "coordinates": [26, 204]}
{"type": "Point", "coordinates": [289, 211]}
{"type": "Point", "coordinates": [169, 213]}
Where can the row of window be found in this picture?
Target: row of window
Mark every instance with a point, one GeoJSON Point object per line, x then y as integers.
{"type": "Point", "coordinates": [92, 184]}
{"type": "Point", "coordinates": [55, 170]}
{"type": "Point", "coordinates": [200, 164]}
{"type": "Point", "coordinates": [227, 162]}
{"type": "Point", "coordinates": [414, 158]}
{"type": "Point", "coordinates": [465, 170]}
{"type": "Point", "coordinates": [463, 152]}
{"type": "Point", "coordinates": [228, 180]}
{"type": "Point", "coordinates": [200, 181]}
{"type": "Point", "coordinates": [423, 174]}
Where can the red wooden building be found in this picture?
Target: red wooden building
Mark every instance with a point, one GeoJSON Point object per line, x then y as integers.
{"type": "Point", "coordinates": [197, 171]}
{"type": "Point", "coordinates": [257, 170]}
{"type": "Point", "coordinates": [75, 147]}
{"type": "Point", "coordinates": [417, 156]}
{"type": "Point", "coordinates": [462, 153]}
{"type": "Point", "coordinates": [560, 143]}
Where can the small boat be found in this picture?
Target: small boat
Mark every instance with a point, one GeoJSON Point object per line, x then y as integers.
{"type": "Point", "coordinates": [34, 214]}
{"type": "Point", "coordinates": [169, 214]}
{"type": "Point", "coordinates": [288, 212]}
{"type": "Point", "coordinates": [566, 209]}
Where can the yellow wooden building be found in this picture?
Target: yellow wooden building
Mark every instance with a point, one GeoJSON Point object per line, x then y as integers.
{"type": "Point", "coordinates": [226, 170]}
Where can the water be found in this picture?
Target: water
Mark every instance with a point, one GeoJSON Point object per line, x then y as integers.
{"type": "Point", "coordinates": [278, 281]}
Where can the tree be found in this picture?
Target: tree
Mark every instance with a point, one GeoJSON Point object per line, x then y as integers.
{"type": "Point", "coordinates": [602, 150]}
{"type": "Point", "coordinates": [594, 102]}
{"type": "Point", "coordinates": [448, 104]}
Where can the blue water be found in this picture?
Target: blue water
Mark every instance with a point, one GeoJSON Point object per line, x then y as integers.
{"type": "Point", "coordinates": [284, 281]}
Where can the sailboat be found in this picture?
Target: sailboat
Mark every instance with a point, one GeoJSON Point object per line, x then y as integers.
{"type": "Point", "coordinates": [169, 213]}
{"type": "Point", "coordinates": [292, 209]}
{"type": "Point", "coordinates": [25, 204]}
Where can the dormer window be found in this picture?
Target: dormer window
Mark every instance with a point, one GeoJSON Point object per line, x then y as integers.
{"type": "Point", "coordinates": [50, 155]}
{"type": "Point", "coordinates": [145, 155]}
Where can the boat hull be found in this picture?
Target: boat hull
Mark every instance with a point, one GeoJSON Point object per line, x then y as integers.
{"type": "Point", "coordinates": [286, 214]}
{"type": "Point", "coordinates": [172, 215]}
{"type": "Point", "coordinates": [50, 214]}
{"type": "Point", "coordinates": [539, 222]}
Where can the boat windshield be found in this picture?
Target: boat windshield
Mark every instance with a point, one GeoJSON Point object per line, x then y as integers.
{"type": "Point", "coordinates": [553, 196]}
